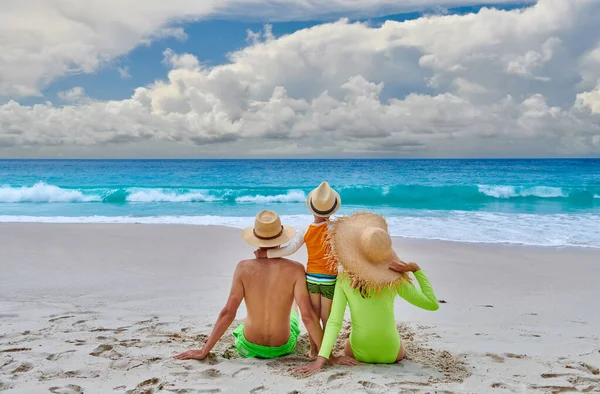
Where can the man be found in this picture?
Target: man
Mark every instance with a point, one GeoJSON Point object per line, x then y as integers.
{"type": "Point", "coordinates": [269, 288]}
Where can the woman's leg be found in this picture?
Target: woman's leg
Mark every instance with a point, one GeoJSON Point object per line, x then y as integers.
{"type": "Point", "coordinates": [315, 300]}
{"type": "Point", "coordinates": [400, 353]}
{"type": "Point", "coordinates": [348, 350]}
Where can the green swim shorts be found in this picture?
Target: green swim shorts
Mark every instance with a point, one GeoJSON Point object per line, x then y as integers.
{"type": "Point", "coordinates": [321, 284]}
{"type": "Point", "coordinates": [325, 290]}
{"type": "Point", "coordinates": [249, 349]}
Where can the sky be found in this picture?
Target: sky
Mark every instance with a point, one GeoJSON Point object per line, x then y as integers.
{"type": "Point", "coordinates": [285, 78]}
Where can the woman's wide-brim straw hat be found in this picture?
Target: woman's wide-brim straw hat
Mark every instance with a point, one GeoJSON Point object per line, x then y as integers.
{"type": "Point", "coordinates": [268, 232]}
{"type": "Point", "coordinates": [362, 246]}
{"type": "Point", "coordinates": [323, 201]}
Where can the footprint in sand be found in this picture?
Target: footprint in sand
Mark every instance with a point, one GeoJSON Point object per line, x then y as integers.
{"type": "Point", "coordinates": [5, 360]}
{"type": "Point", "coordinates": [336, 376]}
{"type": "Point", "coordinates": [259, 389]}
{"type": "Point", "coordinates": [553, 375]}
{"type": "Point", "coordinates": [77, 342]}
{"type": "Point", "coordinates": [50, 373]}
{"type": "Point", "coordinates": [148, 321]}
{"type": "Point", "coordinates": [60, 318]}
{"type": "Point", "coordinates": [243, 373]}
{"type": "Point", "coordinates": [68, 389]}
{"type": "Point", "coordinates": [106, 351]}
{"type": "Point", "coordinates": [24, 367]}
{"type": "Point", "coordinates": [16, 349]}
{"type": "Point", "coordinates": [513, 355]}
{"type": "Point", "coordinates": [149, 382]}
{"type": "Point", "coordinates": [211, 373]}
{"type": "Point", "coordinates": [59, 356]}
{"type": "Point", "coordinates": [113, 330]}
{"type": "Point", "coordinates": [495, 357]}
{"type": "Point", "coordinates": [82, 374]}
{"type": "Point", "coordinates": [4, 386]}
{"type": "Point", "coordinates": [370, 387]}
{"type": "Point", "coordinates": [591, 369]}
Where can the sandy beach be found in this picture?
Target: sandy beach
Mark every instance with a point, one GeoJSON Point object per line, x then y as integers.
{"type": "Point", "coordinates": [102, 308]}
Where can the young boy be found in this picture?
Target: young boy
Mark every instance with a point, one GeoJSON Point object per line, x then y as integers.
{"type": "Point", "coordinates": [320, 274]}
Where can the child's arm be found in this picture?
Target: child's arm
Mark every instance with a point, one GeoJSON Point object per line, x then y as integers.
{"type": "Point", "coordinates": [291, 248]}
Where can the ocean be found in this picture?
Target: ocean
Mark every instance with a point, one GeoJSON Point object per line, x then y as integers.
{"type": "Point", "coordinates": [531, 202]}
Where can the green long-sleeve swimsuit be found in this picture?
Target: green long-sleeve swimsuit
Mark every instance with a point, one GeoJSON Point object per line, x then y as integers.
{"type": "Point", "coordinates": [374, 337]}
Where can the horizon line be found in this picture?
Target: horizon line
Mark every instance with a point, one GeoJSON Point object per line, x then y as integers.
{"type": "Point", "coordinates": [290, 158]}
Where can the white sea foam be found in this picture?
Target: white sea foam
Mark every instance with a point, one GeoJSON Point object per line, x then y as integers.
{"type": "Point", "coordinates": [500, 191]}
{"type": "Point", "coordinates": [42, 192]}
{"type": "Point", "coordinates": [579, 230]}
{"type": "Point", "coordinates": [159, 195]}
{"type": "Point", "coordinates": [292, 196]}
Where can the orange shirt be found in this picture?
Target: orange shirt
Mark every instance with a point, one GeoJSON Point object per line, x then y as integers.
{"type": "Point", "coordinates": [315, 238]}
{"type": "Point", "coordinates": [317, 247]}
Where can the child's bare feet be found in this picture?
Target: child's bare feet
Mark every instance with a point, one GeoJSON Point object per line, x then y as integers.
{"type": "Point", "coordinates": [313, 352]}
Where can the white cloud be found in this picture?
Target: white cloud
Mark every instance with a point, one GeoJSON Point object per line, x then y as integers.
{"type": "Point", "coordinates": [41, 40]}
{"type": "Point", "coordinates": [496, 83]}
{"type": "Point", "coordinates": [590, 100]}
{"type": "Point", "coordinates": [124, 72]}
{"type": "Point", "coordinates": [75, 95]}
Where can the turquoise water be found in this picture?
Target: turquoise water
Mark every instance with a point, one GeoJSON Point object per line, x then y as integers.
{"type": "Point", "coordinates": [537, 202]}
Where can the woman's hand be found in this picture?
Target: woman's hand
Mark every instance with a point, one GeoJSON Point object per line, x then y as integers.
{"type": "Point", "coordinates": [401, 267]}
{"type": "Point", "coordinates": [345, 360]}
{"type": "Point", "coordinates": [312, 368]}
{"type": "Point", "coordinates": [192, 355]}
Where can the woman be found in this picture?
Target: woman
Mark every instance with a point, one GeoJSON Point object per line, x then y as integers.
{"type": "Point", "coordinates": [372, 277]}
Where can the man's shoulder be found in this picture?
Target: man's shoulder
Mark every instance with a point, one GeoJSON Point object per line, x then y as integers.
{"type": "Point", "coordinates": [291, 264]}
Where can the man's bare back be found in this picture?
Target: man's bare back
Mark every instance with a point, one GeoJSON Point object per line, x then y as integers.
{"type": "Point", "coordinates": [269, 290]}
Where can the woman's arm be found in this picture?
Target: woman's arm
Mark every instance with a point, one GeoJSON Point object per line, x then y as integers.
{"type": "Point", "coordinates": [424, 297]}
{"type": "Point", "coordinates": [334, 323]}
{"type": "Point", "coordinates": [334, 326]}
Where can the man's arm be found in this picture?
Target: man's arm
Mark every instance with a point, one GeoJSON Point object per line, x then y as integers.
{"type": "Point", "coordinates": [309, 317]}
{"type": "Point", "coordinates": [224, 320]}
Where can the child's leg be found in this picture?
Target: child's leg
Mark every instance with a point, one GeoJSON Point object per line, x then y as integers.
{"type": "Point", "coordinates": [315, 300]}
{"type": "Point", "coordinates": [325, 310]}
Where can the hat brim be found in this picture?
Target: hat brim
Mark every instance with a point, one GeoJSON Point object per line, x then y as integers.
{"type": "Point", "coordinates": [338, 199]}
{"type": "Point", "coordinates": [344, 238]}
{"type": "Point", "coordinates": [249, 237]}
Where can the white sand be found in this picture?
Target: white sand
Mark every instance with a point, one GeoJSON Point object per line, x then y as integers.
{"type": "Point", "coordinates": [102, 308]}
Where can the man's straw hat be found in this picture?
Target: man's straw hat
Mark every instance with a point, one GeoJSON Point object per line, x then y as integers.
{"type": "Point", "coordinates": [360, 243]}
{"type": "Point", "coordinates": [268, 232]}
{"type": "Point", "coordinates": [323, 201]}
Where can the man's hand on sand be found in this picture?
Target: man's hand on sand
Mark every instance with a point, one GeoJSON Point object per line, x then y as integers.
{"type": "Point", "coordinates": [191, 355]}
{"type": "Point", "coordinates": [401, 267]}
{"type": "Point", "coordinates": [260, 253]}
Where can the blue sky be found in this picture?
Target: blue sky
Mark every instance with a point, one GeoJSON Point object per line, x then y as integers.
{"type": "Point", "coordinates": [209, 40]}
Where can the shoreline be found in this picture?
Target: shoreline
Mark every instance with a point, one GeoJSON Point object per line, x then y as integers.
{"type": "Point", "coordinates": [416, 239]}
{"type": "Point", "coordinates": [104, 307]}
